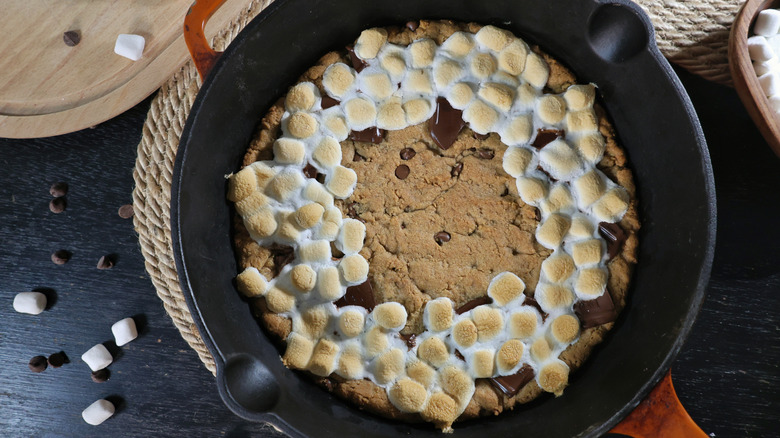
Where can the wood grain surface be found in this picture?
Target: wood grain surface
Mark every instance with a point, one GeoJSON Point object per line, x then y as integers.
{"type": "Point", "coordinates": [727, 376]}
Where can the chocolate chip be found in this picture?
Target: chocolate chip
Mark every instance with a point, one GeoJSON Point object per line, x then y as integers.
{"type": "Point", "coordinates": [368, 135]}
{"type": "Point", "coordinates": [456, 170]}
{"type": "Point", "coordinates": [357, 63]}
{"type": "Point", "coordinates": [282, 256]}
{"type": "Point", "coordinates": [412, 25]}
{"type": "Point", "coordinates": [38, 364]}
{"type": "Point", "coordinates": [71, 38]}
{"type": "Point", "coordinates": [59, 189]}
{"type": "Point", "coordinates": [352, 211]}
{"type": "Point", "coordinates": [595, 312]}
{"type": "Point", "coordinates": [411, 340]}
{"type": "Point", "coordinates": [459, 355]}
{"type": "Point", "coordinates": [446, 123]}
{"type": "Point", "coordinates": [481, 136]}
{"type": "Point", "coordinates": [328, 102]}
{"type": "Point", "coordinates": [537, 214]}
{"type": "Point", "coordinates": [101, 376]}
{"type": "Point", "coordinates": [545, 137]}
{"type": "Point", "coordinates": [512, 384]}
{"type": "Point", "coordinates": [407, 153]}
{"type": "Point", "coordinates": [126, 211]}
{"type": "Point", "coordinates": [58, 205]}
{"type": "Point", "coordinates": [60, 257]}
{"type": "Point", "coordinates": [310, 171]}
{"type": "Point", "coordinates": [486, 154]}
{"type": "Point", "coordinates": [57, 360]}
{"type": "Point", "coordinates": [359, 295]}
{"type": "Point", "coordinates": [472, 304]}
{"type": "Point", "coordinates": [358, 157]}
{"type": "Point", "coordinates": [615, 237]}
{"type": "Point", "coordinates": [106, 262]}
{"type": "Point", "coordinates": [441, 237]}
{"type": "Point", "coordinates": [402, 171]}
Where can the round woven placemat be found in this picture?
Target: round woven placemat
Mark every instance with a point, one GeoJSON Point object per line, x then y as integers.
{"type": "Point", "coordinates": [692, 34]}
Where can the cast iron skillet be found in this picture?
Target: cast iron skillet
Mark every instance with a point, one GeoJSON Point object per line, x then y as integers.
{"type": "Point", "coordinates": [606, 42]}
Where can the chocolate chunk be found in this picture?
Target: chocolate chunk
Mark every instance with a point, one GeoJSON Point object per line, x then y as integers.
{"type": "Point", "coordinates": [71, 38]}
{"type": "Point", "coordinates": [59, 189]}
{"type": "Point", "coordinates": [472, 304]}
{"type": "Point", "coordinates": [58, 205]}
{"type": "Point", "coordinates": [537, 214]}
{"type": "Point", "coordinates": [595, 312]}
{"type": "Point", "coordinates": [528, 301]}
{"type": "Point", "coordinates": [106, 262]}
{"type": "Point", "coordinates": [359, 295]}
{"type": "Point", "coordinates": [545, 137]}
{"type": "Point", "coordinates": [550, 177]}
{"type": "Point", "coordinates": [456, 170]}
{"type": "Point", "coordinates": [38, 364]}
{"type": "Point", "coordinates": [402, 171]}
{"type": "Point", "coordinates": [101, 376]}
{"type": "Point", "coordinates": [57, 360]}
{"type": "Point", "coordinates": [512, 384]}
{"type": "Point", "coordinates": [60, 257]}
{"type": "Point", "coordinates": [282, 255]}
{"type": "Point", "coordinates": [352, 212]}
{"type": "Point", "coordinates": [357, 63]}
{"type": "Point", "coordinates": [412, 25]}
{"type": "Point", "coordinates": [446, 123]}
{"type": "Point", "coordinates": [615, 237]}
{"type": "Point", "coordinates": [126, 211]}
{"type": "Point", "coordinates": [481, 136]}
{"type": "Point", "coordinates": [441, 237]}
{"type": "Point", "coordinates": [368, 135]}
{"type": "Point", "coordinates": [328, 102]}
{"type": "Point", "coordinates": [310, 171]}
{"type": "Point", "coordinates": [407, 153]}
{"type": "Point", "coordinates": [486, 154]}
{"type": "Point", "coordinates": [358, 157]}
{"type": "Point", "coordinates": [411, 340]}
{"type": "Point", "coordinates": [459, 355]}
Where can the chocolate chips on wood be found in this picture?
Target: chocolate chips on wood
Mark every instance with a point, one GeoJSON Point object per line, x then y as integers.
{"type": "Point", "coordinates": [38, 364]}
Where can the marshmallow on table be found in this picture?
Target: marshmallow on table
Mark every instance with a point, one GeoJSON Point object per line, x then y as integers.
{"type": "Point", "coordinates": [98, 412]}
{"type": "Point", "coordinates": [767, 23]}
{"type": "Point", "coordinates": [31, 303]}
{"type": "Point", "coordinates": [759, 48]}
{"type": "Point", "coordinates": [124, 331]}
{"type": "Point", "coordinates": [130, 46]}
{"type": "Point", "coordinates": [97, 357]}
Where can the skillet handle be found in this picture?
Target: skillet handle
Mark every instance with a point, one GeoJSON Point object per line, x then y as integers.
{"type": "Point", "coordinates": [660, 415]}
{"type": "Point", "coordinates": [202, 54]}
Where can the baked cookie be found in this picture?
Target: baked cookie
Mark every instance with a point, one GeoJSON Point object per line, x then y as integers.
{"type": "Point", "coordinates": [436, 223]}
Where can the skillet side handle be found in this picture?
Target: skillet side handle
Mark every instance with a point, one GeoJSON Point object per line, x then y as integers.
{"type": "Point", "coordinates": [660, 415]}
{"type": "Point", "coordinates": [195, 36]}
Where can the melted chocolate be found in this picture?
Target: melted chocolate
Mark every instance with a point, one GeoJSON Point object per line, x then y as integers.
{"type": "Point", "coordinates": [511, 385]}
{"type": "Point", "coordinates": [359, 295]}
{"type": "Point", "coordinates": [357, 63]}
{"type": "Point", "coordinates": [528, 301]}
{"type": "Point", "coordinates": [615, 237]}
{"type": "Point", "coordinates": [310, 171]}
{"type": "Point", "coordinates": [411, 340]}
{"type": "Point", "coordinates": [446, 123]}
{"type": "Point", "coordinates": [328, 102]}
{"type": "Point", "coordinates": [456, 170]}
{"type": "Point", "coordinates": [472, 304]}
{"type": "Point", "coordinates": [282, 255]}
{"type": "Point", "coordinates": [545, 137]}
{"type": "Point", "coordinates": [459, 355]}
{"type": "Point", "coordinates": [595, 312]}
{"type": "Point", "coordinates": [481, 136]}
{"type": "Point", "coordinates": [368, 135]}
{"type": "Point", "coordinates": [486, 154]}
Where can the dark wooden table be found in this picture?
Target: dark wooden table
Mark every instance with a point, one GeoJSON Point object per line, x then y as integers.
{"type": "Point", "coordinates": [727, 375]}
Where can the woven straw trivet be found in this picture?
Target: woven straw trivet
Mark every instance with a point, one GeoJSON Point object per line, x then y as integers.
{"type": "Point", "coordinates": [693, 34]}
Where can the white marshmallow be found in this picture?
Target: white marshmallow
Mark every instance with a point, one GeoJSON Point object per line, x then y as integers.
{"type": "Point", "coordinates": [31, 303]}
{"type": "Point", "coordinates": [98, 412]}
{"type": "Point", "coordinates": [97, 357]}
{"type": "Point", "coordinates": [759, 49]}
{"type": "Point", "coordinates": [767, 23]}
{"type": "Point", "coordinates": [130, 46]}
{"type": "Point", "coordinates": [765, 67]}
{"type": "Point", "coordinates": [774, 43]}
{"type": "Point", "coordinates": [774, 103]}
{"type": "Point", "coordinates": [770, 83]}
{"type": "Point", "coordinates": [124, 331]}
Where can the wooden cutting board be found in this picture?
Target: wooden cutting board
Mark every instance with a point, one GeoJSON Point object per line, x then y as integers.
{"type": "Point", "coordinates": [49, 88]}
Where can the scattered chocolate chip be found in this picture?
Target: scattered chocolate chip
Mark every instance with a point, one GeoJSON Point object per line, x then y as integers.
{"type": "Point", "coordinates": [60, 257]}
{"type": "Point", "coordinates": [528, 301]}
{"type": "Point", "coordinates": [357, 63]}
{"type": "Point", "coordinates": [106, 262]}
{"type": "Point", "coordinates": [359, 295]}
{"type": "Point", "coordinates": [505, 192]}
{"type": "Point", "coordinates": [456, 170]}
{"type": "Point", "coordinates": [402, 171]}
{"type": "Point", "coordinates": [595, 312]}
{"type": "Point", "coordinates": [352, 212]}
{"type": "Point", "coordinates": [59, 189]}
{"type": "Point", "coordinates": [358, 157]}
{"type": "Point", "coordinates": [282, 256]}
{"type": "Point", "coordinates": [407, 153]}
{"type": "Point", "coordinates": [126, 211]}
{"type": "Point", "coordinates": [537, 214]}
{"type": "Point", "coordinates": [310, 171]}
{"type": "Point", "coordinates": [57, 360]}
{"type": "Point", "coordinates": [486, 154]}
{"type": "Point", "coordinates": [615, 237]}
{"type": "Point", "coordinates": [38, 364]}
{"type": "Point", "coordinates": [71, 38]}
{"type": "Point", "coordinates": [411, 340]}
{"type": "Point", "coordinates": [472, 304]}
{"type": "Point", "coordinates": [101, 376]}
{"type": "Point", "coordinates": [328, 102]}
{"type": "Point", "coordinates": [58, 205]}
{"type": "Point", "coordinates": [446, 123]}
{"type": "Point", "coordinates": [441, 237]}
{"type": "Point", "coordinates": [481, 136]}
{"type": "Point", "coordinates": [545, 137]}
{"type": "Point", "coordinates": [459, 355]}
{"type": "Point", "coordinates": [368, 135]}
{"type": "Point", "coordinates": [412, 25]}
{"type": "Point", "coordinates": [512, 384]}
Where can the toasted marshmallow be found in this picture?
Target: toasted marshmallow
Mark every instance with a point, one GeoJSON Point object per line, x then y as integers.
{"type": "Point", "coordinates": [333, 214]}
{"type": "Point", "coordinates": [499, 95]}
{"type": "Point", "coordinates": [433, 351]}
{"type": "Point", "coordinates": [251, 204]}
{"type": "Point", "coordinates": [350, 364]}
{"type": "Point", "coordinates": [335, 124]}
{"type": "Point", "coordinates": [309, 215]}
{"type": "Point", "coordinates": [389, 366]}
{"type": "Point", "coordinates": [390, 115]}
{"type": "Point", "coordinates": [551, 109]}
{"type": "Point", "coordinates": [464, 333]}
{"type": "Point", "coordinates": [288, 229]}
{"type": "Point", "coordinates": [394, 63]}
{"type": "Point", "coordinates": [353, 269]}
{"type": "Point", "coordinates": [531, 190]}
{"type": "Point", "coordinates": [483, 65]}
{"type": "Point", "coordinates": [493, 38]}
{"type": "Point", "coordinates": [526, 97]}
{"type": "Point", "coordinates": [390, 315]}
{"type": "Point", "coordinates": [558, 267]}
{"type": "Point", "coordinates": [421, 373]}
{"type": "Point", "coordinates": [251, 282]}
{"type": "Point", "coordinates": [482, 363]}
{"type": "Point", "coordinates": [303, 277]}
{"type": "Point", "coordinates": [301, 97]}
{"type": "Point", "coordinates": [523, 323]}
{"type": "Point", "coordinates": [505, 288]}
{"type": "Point", "coordinates": [581, 121]}
{"type": "Point", "coordinates": [418, 81]}
{"type": "Point", "coordinates": [242, 184]}
{"type": "Point", "coordinates": [509, 355]}
{"type": "Point", "coordinates": [587, 252]}
{"type": "Point", "coordinates": [591, 283]}
{"type": "Point", "coordinates": [328, 153]}
{"type": "Point", "coordinates": [316, 192]}
{"type": "Point", "coordinates": [445, 72]}
{"type": "Point", "coordinates": [422, 52]}
{"type": "Point", "coordinates": [552, 231]}
{"type": "Point", "coordinates": [360, 113]}
{"type": "Point", "coordinates": [284, 185]}
{"type": "Point", "coordinates": [261, 224]}
{"type": "Point", "coordinates": [560, 160]}
{"type": "Point", "coordinates": [460, 95]}
{"type": "Point", "coordinates": [480, 116]}
{"type": "Point", "coordinates": [591, 147]}
{"type": "Point", "coordinates": [505, 78]}
{"type": "Point", "coordinates": [441, 409]}
{"type": "Point", "coordinates": [459, 44]}
{"type": "Point", "coordinates": [581, 227]}
{"type": "Point", "coordinates": [579, 97]}
{"type": "Point", "coordinates": [376, 85]}
{"type": "Point", "coordinates": [369, 42]}
{"type": "Point", "coordinates": [375, 341]}
{"type": "Point", "coordinates": [612, 206]}
{"type": "Point", "coordinates": [299, 351]}
{"type": "Point", "coordinates": [565, 329]}
{"type": "Point", "coordinates": [559, 199]}
{"type": "Point", "coordinates": [351, 236]}
{"type": "Point", "coordinates": [302, 125]}
{"type": "Point", "coordinates": [512, 57]}
{"type": "Point", "coordinates": [408, 395]}
{"type": "Point", "coordinates": [312, 322]}
{"type": "Point", "coordinates": [517, 131]}
{"type": "Point", "coordinates": [553, 296]}
{"type": "Point", "coordinates": [536, 71]}
{"type": "Point", "coordinates": [338, 79]}
{"type": "Point", "coordinates": [417, 111]}
{"type": "Point", "coordinates": [589, 188]}
{"type": "Point", "coordinates": [279, 300]}
{"type": "Point", "coordinates": [554, 377]}
{"type": "Point", "coordinates": [516, 161]}
{"type": "Point", "coordinates": [314, 251]}
{"type": "Point", "coordinates": [327, 231]}
{"type": "Point", "coordinates": [329, 284]}
{"type": "Point", "coordinates": [351, 323]}
{"type": "Point", "coordinates": [323, 361]}
{"type": "Point", "coordinates": [489, 322]}
{"type": "Point", "coordinates": [457, 383]}
{"type": "Point", "coordinates": [438, 314]}
{"type": "Point", "coordinates": [540, 350]}
{"type": "Point", "coordinates": [341, 182]}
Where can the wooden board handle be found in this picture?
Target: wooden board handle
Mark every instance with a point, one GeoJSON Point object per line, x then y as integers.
{"type": "Point", "coordinates": [660, 415]}
{"type": "Point", "coordinates": [202, 54]}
